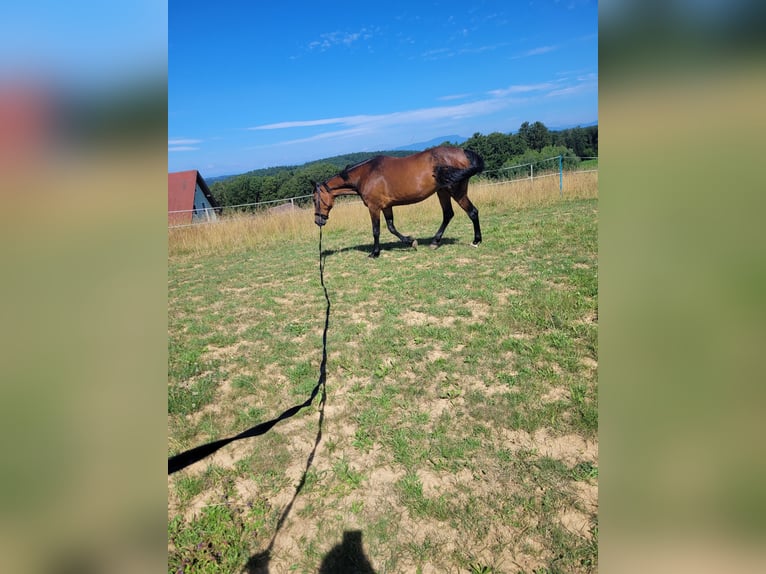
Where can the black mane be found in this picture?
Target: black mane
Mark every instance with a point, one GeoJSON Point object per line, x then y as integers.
{"type": "Point", "coordinates": [344, 173]}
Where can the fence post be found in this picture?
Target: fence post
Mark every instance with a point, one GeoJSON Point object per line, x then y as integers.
{"type": "Point", "coordinates": [531, 172]}
{"type": "Point", "coordinates": [561, 177]}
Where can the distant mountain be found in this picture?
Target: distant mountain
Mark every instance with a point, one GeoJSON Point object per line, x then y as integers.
{"type": "Point", "coordinates": [567, 127]}
{"type": "Point", "coordinates": [419, 146]}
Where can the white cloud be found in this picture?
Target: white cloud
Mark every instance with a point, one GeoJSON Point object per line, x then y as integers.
{"type": "Point", "coordinates": [453, 97]}
{"type": "Point", "coordinates": [541, 50]}
{"type": "Point", "coordinates": [338, 134]}
{"type": "Point", "coordinates": [298, 124]}
{"type": "Point", "coordinates": [182, 148]}
{"type": "Point", "coordinates": [410, 117]}
{"type": "Point", "coordinates": [439, 53]}
{"type": "Point", "coordinates": [331, 39]}
{"type": "Point", "coordinates": [521, 89]}
{"type": "Point", "coordinates": [585, 83]}
{"type": "Point", "coordinates": [535, 52]}
{"type": "Point", "coordinates": [182, 142]}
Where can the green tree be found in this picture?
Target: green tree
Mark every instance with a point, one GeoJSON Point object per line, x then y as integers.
{"type": "Point", "coordinates": [582, 141]}
{"type": "Point", "coordinates": [592, 133]}
{"type": "Point", "coordinates": [537, 136]}
{"type": "Point", "coordinates": [269, 188]}
{"type": "Point", "coordinates": [494, 149]}
{"type": "Point", "coordinates": [302, 181]}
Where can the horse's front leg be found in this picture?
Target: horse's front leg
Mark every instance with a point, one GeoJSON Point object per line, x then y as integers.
{"type": "Point", "coordinates": [375, 217]}
{"type": "Point", "coordinates": [388, 213]}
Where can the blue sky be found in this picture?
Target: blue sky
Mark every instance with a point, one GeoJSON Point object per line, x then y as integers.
{"type": "Point", "coordinates": [259, 84]}
{"type": "Point", "coordinates": [83, 45]}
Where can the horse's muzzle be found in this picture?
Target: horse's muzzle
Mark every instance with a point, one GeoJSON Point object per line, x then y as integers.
{"type": "Point", "coordinates": [320, 219]}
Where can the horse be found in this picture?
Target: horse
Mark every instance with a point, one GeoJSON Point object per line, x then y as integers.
{"type": "Point", "coordinates": [384, 182]}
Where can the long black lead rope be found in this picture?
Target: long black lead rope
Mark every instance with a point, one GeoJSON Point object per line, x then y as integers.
{"type": "Point", "coordinates": [184, 459]}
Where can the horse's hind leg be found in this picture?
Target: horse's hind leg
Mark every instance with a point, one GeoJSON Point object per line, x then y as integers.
{"type": "Point", "coordinates": [388, 213]}
{"type": "Point", "coordinates": [461, 196]}
{"type": "Point", "coordinates": [375, 217]}
{"type": "Point", "coordinates": [447, 215]}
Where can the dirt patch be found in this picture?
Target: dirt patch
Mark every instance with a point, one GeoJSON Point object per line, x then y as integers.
{"type": "Point", "coordinates": [482, 386]}
{"type": "Point", "coordinates": [198, 503]}
{"type": "Point", "coordinates": [418, 319]}
{"type": "Point", "coordinates": [504, 297]}
{"type": "Point", "coordinates": [364, 319]}
{"type": "Point", "coordinates": [589, 363]}
{"type": "Point", "coordinates": [589, 319]}
{"type": "Point", "coordinates": [570, 449]}
{"type": "Point", "coordinates": [521, 336]}
{"type": "Point", "coordinates": [579, 520]}
{"type": "Point", "coordinates": [414, 318]}
{"type": "Point", "coordinates": [576, 522]}
{"type": "Point", "coordinates": [464, 261]}
{"type": "Point", "coordinates": [479, 310]}
{"type": "Point", "coordinates": [436, 483]}
{"type": "Point", "coordinates": [556, 394]}
{"type": "Point", "coordinates": [436, 354]}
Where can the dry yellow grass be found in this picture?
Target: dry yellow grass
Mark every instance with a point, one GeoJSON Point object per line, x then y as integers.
{"type": "Point", "coordinates": [244, 231]}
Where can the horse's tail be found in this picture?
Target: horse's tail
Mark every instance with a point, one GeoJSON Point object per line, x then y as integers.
{"type": "Point", "coordinates": [447, 175]}
{"type": "Point", "coordinates": [477, 162]}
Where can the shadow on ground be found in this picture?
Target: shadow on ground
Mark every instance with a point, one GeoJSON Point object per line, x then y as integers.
{"type": "Point", "coordinates": [259, 563]}
{"type": "Point", "coordinates": [423, 243]}
{"type": "Point", "coordinates": [346, 557]}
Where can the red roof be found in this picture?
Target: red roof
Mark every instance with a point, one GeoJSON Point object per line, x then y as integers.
{"type": "Point", "coordinates": [181, 187]}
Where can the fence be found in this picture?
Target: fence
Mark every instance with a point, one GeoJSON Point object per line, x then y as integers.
{"type": "Point", "coordinates": [549, 167]}
{"type": "Point", "coordinates": [536, 169]}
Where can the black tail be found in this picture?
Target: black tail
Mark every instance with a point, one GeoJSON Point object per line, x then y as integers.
{"type": "Point", "coordinates": [448, 176]}
{"type": "Point", "coordinates": [477, 162]}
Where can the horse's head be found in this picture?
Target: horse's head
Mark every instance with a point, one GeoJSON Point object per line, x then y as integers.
{"type": "Point", "coordinates": [323, 201]}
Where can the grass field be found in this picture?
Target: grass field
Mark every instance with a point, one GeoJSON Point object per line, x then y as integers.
{"type": "Point", "coordinates": [459, 432]}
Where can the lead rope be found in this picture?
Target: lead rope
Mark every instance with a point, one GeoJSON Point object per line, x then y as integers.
{"type": "Point", "coordinates": [323, 365]}
{"type": "Point", "coordinates": [184, 459]}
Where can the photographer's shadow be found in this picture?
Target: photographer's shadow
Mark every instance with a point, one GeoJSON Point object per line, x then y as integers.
{"type": "Point", "coordinates": [347, 557]}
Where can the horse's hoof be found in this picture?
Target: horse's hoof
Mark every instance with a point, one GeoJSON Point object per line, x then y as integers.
{"type": "Point", "coordinates": [373, 255]}
{"type": "Point", "coordinates": [414, 243]}
{"type": "Point", "coordinates": [475, 243]}
{"type": "Point", "coordinates": [434, 246]}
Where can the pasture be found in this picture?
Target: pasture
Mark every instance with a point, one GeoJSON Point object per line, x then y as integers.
{"type": "Point", "coordinates": [459, 432]}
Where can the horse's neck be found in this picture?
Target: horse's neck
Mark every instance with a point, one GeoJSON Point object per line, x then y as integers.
{"type": "Point", "coordinates": [355, 181]}
{"type": "Point", "coordinates": [349, 187]}
{"type": "Point", "coordinates": [345, 191]}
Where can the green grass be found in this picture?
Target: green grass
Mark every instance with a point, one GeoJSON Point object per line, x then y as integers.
{"type": "Point", "coordinates": [462, 400]}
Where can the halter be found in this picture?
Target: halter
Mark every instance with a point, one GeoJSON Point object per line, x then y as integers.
{"type": "Point", "coordinates": [327, 205]}
{"type": "Point", "coordinates": [346, 186]}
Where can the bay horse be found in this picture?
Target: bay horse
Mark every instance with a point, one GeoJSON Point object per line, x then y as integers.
{"type": "Point", "coordinates": [383, 182]}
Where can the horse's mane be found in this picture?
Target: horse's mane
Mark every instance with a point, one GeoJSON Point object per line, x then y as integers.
{"type": "Point", "coordinates": [344, 173]}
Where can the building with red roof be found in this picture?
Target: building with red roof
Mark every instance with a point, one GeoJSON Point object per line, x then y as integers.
{"type": "Point", "coordinates": [189, 199]}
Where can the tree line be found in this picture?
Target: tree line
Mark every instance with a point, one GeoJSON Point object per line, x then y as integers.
{"type": "Point", "coordinates": [531, 144]}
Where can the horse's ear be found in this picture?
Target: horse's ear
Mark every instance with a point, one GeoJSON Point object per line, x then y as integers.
{"type": "Point", "coordinates": [313, 183]}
